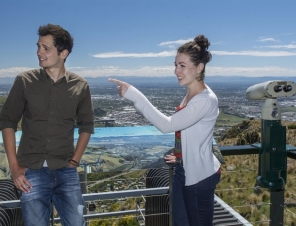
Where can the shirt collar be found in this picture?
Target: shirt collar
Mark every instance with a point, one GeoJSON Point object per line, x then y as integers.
{"type": "Point", "coordinates": [66, 75]}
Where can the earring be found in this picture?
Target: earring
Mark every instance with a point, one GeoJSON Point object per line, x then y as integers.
{"type": "Point", "coordinates": [200, 78]}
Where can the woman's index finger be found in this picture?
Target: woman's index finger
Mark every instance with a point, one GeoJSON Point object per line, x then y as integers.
{"type": "Point", "coordinates": [115, 81]}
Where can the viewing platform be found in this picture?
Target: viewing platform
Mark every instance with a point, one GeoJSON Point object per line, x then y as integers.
{"type": "Point", "coordinates": [153, 206]}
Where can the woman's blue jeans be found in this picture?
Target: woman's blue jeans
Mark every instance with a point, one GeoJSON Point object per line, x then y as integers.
{"type": "Point", "coordinates": [62, 187]}
{"type": "Point", "coordinates": [193, 205]}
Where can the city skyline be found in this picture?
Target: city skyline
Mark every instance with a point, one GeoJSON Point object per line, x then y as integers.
{"type": "Point", "coordinates": [140, 38]}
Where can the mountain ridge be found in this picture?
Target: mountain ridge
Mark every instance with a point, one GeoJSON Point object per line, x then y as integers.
{"type": "Point", "coordinates": [172, 79]}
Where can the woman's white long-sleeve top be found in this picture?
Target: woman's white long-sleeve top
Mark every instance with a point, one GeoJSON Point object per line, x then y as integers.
{"type": "Point", "coordinates": [196, 122]}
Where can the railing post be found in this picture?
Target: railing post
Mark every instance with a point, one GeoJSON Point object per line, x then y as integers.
{"type": "Point", "coordinates": [52, 214]}
{"type": "Point", "coordinates": [277, 207]}
{"type": "Point", "coordinates": [83, 182]}
{"type": "Point", "coordinates": [171, 174]}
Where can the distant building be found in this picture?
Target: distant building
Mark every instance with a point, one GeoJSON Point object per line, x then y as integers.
{"type": "Point", "coordinates": [109, 122]}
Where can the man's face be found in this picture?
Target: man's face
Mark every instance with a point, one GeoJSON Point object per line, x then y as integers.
{"type": "Point", "coordinates": [48, 54]}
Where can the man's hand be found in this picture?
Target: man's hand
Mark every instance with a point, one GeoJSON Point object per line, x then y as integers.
{"type": "Point", "coordinates": [122, 86]}
{"type": "Point", "coordinates": [20, 181]}
{"type": "Point", "coordinates": [17, 172]}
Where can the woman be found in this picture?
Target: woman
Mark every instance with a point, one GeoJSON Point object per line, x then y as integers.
{"type": "Point", "coordinates": [197, 169]}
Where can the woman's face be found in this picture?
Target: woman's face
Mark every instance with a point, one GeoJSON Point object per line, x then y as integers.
{"type": "Point", "coordinates": [185, 70]}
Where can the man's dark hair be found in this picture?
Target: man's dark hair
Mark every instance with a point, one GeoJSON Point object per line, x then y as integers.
{"type": "Point", "coordinates": [61, 38]}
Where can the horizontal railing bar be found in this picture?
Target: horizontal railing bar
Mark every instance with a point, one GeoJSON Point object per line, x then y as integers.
{"type": "Point", "coordinates": [107, 214]}
{"type": "Point", "coordinates": [292, 154]}
{"type": "Point", "coordinates": [105, 195]}
{"type": "Point", "coordinates": [111, 214]}
{"type": "Point", "coordinates": [252, 149]}
{"type": "Point", "coordinates": [125, 193]}
{"type": "Point", "coordinates": [291, 151]}
{"type": "Point", "coordinates": [11, 204]}
{"type": "Point", "coordinates": [238, 150]}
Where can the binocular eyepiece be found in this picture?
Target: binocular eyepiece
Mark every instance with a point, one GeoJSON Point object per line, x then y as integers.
{"type": "Point", "coordinates": [285, 88]}
{"type": "Point", "coordinates": [271, 89]}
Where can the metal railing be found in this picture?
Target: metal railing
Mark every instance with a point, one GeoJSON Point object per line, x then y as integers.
{"type": "Point", "coordinates": [276, 197]}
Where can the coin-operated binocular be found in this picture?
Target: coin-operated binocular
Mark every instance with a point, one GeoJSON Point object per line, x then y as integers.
{"type": "Point", "coordinates": [272, 172]}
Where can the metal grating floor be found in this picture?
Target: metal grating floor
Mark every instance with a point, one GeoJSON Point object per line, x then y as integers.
{"type": "Point", "coordinates": [224, 215]}
{"type": "Point", "coordinates": [157, 207]}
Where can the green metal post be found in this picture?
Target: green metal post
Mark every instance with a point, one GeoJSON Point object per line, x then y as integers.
{"type": "Point", "coordinates": [272, 155]}
{"type": "Point", "coordinates": [277, 205]}
{"type": "Point", "coordinates": [272, 170]}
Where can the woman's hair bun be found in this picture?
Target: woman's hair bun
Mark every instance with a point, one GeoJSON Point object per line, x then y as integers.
{"type": "Point", "coordinates": [202, 42]}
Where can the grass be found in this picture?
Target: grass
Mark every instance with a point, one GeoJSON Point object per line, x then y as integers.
{"type": "Point", "coordinates": [135, 174]}
{"type": "Point", "coordinates": [290, 109]}
{"type": "Point", "coordinates": [2, 99]}
{"type": "Point", "coordinates": [237, 189]}
{"type": "Point", "coordinates": [228, 120]}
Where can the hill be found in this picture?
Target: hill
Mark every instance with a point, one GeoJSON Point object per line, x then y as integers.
{"type": "Point", "coordinates": [249, 132]}
{"type": "Point", "coordinates": [238, 182]}
{"type": "Point", "coordinates": [140, 80]}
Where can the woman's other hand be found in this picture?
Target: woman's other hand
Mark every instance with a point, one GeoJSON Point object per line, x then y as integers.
{"type": "Point", "coordinates": [122, 86]}
{"type": "Point", "coordinates": [170, 159]}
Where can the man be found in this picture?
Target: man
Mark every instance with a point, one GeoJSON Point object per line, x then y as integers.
{"type": "Point", "coordinates": [50, 100]}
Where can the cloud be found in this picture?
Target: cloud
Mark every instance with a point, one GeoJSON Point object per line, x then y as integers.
{"type": "Point", "coordinates": [75, 68]}
{"type": "Point", "coordinates": [135, 55]}
{"type": "Point", "coordinates": [161, 71]}
{"type": "Point", "coordinates": [140, 71]}
{"type": "Point", "coordinates": [13, 72]}
{"type": "Point", "coordinates": [290, 46]}
{"type": "Point", "coordinates": [251, 71]}
{"type": "Point", "coordinates": [169, 71]}
{"type": "Point", "coordinates": [177, 42]}
{"type": "Point", "coordinates": [262, 39]}
{"type": "Point", "coordinates": [254, 53]}
{"type": "Point", "coordinates": [285, 34]}
{"type": "Point", "coordinates": [221, 53]}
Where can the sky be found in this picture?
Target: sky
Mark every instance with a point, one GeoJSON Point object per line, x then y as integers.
{"type": "Point", "coordinates": [140, 37]}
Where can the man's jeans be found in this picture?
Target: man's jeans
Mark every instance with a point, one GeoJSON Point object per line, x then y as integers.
{"type": "Point", "coordinates": [62, 187]}
{"type": "Point", "coordinates": [193, 205]}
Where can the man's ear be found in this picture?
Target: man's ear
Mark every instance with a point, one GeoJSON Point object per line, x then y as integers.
{"type": "Point", "coordinates": [200, 68]}
{"type": "Point", "coordinates": [64, 54]}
